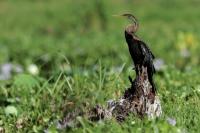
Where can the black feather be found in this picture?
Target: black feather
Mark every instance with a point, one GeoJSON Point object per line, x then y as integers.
{"type": "Point", "coordinates": [141, 56]}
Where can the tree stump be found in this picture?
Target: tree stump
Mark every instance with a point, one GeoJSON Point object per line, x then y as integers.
{"type": "Point", "coordinates": [138, 100]}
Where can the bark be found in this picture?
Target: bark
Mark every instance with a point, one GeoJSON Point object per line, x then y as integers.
{"type": "Point", "coordinates": [139, 100]}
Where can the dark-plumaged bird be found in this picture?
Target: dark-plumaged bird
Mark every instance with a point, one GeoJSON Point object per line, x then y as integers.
{"type": "Point", "coordinates": [140, 52]}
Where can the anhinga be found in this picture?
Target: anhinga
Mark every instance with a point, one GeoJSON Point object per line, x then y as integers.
{"type": "Point", "coordinates": [140, 53]}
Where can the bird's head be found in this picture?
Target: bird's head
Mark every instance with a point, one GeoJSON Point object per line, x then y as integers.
{"type": "Point", "coordinates": [131, 28]}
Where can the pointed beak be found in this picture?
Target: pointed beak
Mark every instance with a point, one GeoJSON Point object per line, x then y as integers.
{"type": "Point", "coordinates": [117, 15]}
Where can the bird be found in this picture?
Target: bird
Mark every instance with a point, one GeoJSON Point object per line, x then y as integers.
{"type": "Point", "coordinates": [139, 51]}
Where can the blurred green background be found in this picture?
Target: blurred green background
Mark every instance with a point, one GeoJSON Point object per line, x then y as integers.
{"type": "Point", "coordinates": [53, 53]}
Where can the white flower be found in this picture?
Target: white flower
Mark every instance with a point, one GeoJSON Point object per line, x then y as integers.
{"type": "Point", "coordinates": [5, 71]}
{"type": "Point", "coordinates": [159, 64]}
{"type": "Point", "coordinates": [33, 69]}
{"type": "Point", "coordinates": [171, 121]}
{"type": "Point", "coordinates": [132, 122]}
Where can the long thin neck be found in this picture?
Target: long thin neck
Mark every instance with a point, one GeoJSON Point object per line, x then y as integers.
{"type": "Point", "coordinates": [131, 29]}
{"type": "Point", "coordinates": [130, 32]}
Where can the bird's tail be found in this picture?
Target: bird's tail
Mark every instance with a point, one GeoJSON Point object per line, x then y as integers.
{"type": "Point", "coordinates": [151, 71]}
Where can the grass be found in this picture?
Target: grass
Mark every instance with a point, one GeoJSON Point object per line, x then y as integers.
{"type": "Point", "coordinates": [83, 60]}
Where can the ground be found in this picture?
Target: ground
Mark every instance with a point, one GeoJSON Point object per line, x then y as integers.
{"type": "Point", "coordinates": [71, 55]}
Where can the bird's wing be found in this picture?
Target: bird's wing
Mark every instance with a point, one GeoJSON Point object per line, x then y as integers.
{"type": "Point", "coordinates": [145, 49]}
{"type": "Point", "coordinates": [148, 56]}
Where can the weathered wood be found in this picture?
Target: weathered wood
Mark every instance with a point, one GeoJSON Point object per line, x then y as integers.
{"type": "Point", "coordinates": [139, 100]}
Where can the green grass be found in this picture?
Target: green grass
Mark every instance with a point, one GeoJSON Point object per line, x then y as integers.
{"type": "Point", "coordinates": [83, 60]}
